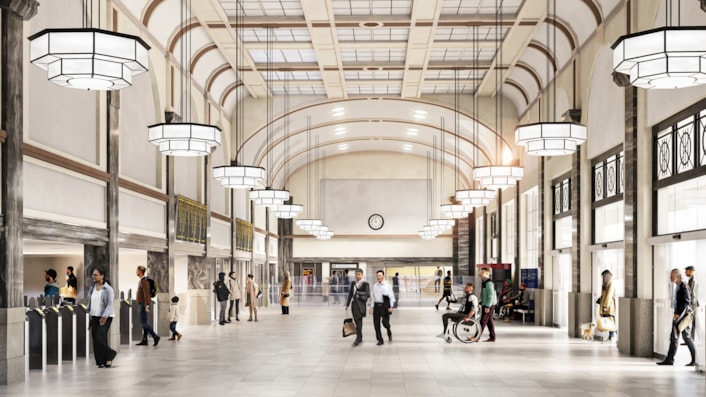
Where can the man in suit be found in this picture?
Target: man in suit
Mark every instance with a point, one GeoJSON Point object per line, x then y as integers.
{"type": "Point", "coordinates": [359, 292]}
{"type": "Point", "coordinates": [681, 302]}
{"type": "Point", "coordinates": [383, 301]}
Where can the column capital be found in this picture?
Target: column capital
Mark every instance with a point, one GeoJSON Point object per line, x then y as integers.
{"type": "Point", "coordinates": [24, 9]}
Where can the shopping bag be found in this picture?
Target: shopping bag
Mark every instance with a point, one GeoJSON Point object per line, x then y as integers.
{"type": "Point", "coordinates": [348, 327]}
{"type": "Point", "coordinates": [606, 324]}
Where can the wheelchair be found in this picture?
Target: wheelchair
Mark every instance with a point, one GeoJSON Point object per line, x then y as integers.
{"type": "Point", "coordinates": [463, 330]}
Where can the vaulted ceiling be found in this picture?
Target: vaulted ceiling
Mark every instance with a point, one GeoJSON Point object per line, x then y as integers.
{"type": "Point", "coordinates": [349, 50]}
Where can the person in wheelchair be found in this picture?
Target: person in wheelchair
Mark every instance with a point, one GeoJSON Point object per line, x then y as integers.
{"type": "Point", "coordinates": [467, 310]}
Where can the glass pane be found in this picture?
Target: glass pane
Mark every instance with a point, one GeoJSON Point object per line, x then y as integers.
{"type": "Point", "coordinates": [598, 172]}
{"type": "Point", "coordinates": [609, 223]}
{"type": "Point", "coordinates": [621, 170]}
{"type": "Point", "coordinates": [702, 131]}
{"type": "Point", "coordinates": [562, 232]}
{"type": "Point", "coordinates": [682, 207]}
{"type": "Point", "coordinates": [611, 176]}
{"type": "Point", "coordinates": [685, 146]}
{"type": "Point", "coordinates": [566, 196]}
{"type": "Point", "coordinates": [557, 199]}
{"type": "Point", "coordinates": [663, 154]}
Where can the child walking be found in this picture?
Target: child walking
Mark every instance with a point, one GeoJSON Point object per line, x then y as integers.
{"type": "Point", "coordinates": [173, 317]}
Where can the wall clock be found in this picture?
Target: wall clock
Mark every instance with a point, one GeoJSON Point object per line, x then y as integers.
{"type": "Point", "coordinates": [376, 221]}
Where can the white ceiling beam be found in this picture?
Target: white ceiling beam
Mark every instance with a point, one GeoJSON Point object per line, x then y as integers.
{"type": "Point", "coordinates": [419, 44]}
{"type": "Point", "coordinates": [324, 40]}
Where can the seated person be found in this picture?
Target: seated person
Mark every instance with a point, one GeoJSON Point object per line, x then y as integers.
{"type": "Point", "coordinates": [522, 301]}
{"type": "Point", "coordinates": [467, 310]}
{"type": "Point", "coordinates": [506, 295]}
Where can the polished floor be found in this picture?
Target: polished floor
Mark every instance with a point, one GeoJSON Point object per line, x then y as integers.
{"type": "Point", "coordinates": [303, 354]}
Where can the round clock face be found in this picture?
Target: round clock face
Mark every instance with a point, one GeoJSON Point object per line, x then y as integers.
{"type": "Point", "coordinates": [375, 221]}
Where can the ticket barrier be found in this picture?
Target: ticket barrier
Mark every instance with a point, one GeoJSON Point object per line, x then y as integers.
{"type": "Point", "coordinates": [82, 337]}
{"type": "Point", "coordinates": [68, 331]}
{"type": "Point", "coordinates": [37, 339]}
{"type": "Point", "coordinates": [53, 323]}
{"type": "Point", "coordinates": [126, 313]}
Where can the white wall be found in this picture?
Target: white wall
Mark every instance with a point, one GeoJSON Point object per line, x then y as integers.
{"type": "Point", "coordinates": [34, 267]}
{"type": "Point", "coordinates": [128, 261]}
{"type": "Point", "coordinates": [384, 248]}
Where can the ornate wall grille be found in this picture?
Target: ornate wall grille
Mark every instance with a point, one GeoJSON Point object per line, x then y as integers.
{"type": "Point", "coordinates": [562, 197]}
{"type": "Point", "coordinates": [609, 178]}
{"type": "Point", "coordinates": [191, 219]}
{"type": "Point", "coordinates": [680, 150]}
{"type": "Point", "coordinates": [243, 235]}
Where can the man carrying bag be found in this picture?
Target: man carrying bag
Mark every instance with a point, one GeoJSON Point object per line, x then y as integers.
{"type": "Point", "coordinates": [359, 292]}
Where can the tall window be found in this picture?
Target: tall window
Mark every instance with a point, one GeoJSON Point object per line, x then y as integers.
{"type": "Point", "coordinates": [562, 212]}
{"type": "Point", "coordinates": [508, 254]}
{"type": "Point", "coordinates": [607, 203]}
{"type": "Point", "coordinates": [680, 172]}
{"type": "Point", "coordinates": [531, 243]}
{"type": "Point", "coordinates": [480, 239]}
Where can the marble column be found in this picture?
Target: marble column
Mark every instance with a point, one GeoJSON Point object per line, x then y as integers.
{"type": "Point", "coordinates": [199, 290]}
{"type": "Point", "coordinates": [285, 244]}
{"type": "Point", "coordinates": [12, 359]}
{"type": "Point", "coordinates": [463, 247]}
{"type": "Point", "coordinates": [497, 225]}
{"type": "Point", "coordinates": [540, 224]}
{"type": "Point", "coordinates": [576, 297]}
{"type": "Point", "coordinates": [158, 265]}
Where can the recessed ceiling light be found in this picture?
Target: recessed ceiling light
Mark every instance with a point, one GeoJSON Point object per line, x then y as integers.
{"type": "Point", "coordinates": [421, 112]}
{"type": "Point", "coordinates": [407, 147]}
{"type": "Point", "coordinates": [340, 130]}
{"type": "Point", "coordinates": [336, 110]}
{"type": "Point", "coordinates": [343, 146]}
{"type": "Point", "coordinates": [412, 131]}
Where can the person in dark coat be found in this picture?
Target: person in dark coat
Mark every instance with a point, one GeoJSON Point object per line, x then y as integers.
{"type": "Point", "coordinates": [359, 292]}
{"type": "Point", "coordinates": [222, 294]}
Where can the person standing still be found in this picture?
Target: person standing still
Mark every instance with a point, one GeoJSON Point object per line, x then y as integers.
{"type": "Point", "coordinates": [284, 293]}
{"type": "Point", "coordinates": [222, 294]}
{"type": "Point", "coordinates": [396, 288]}
{"type": "Point", "coordinates": [100, 308]}
{"type": "Point", "coordinates": [359, 292]}
{"type": "Point", "coordinates": [437, 280]}
{"type": "Point", "coordinates": [488, 301]}
{"type": "Point", "coordinates": [144, 300]}
{"type": "Point", "coordinates": [71, 286]}
{"type": "Point", "coordinates": [236, 294]}
{"type": "Point", "coordinates": [251, 289]}
{"type": "Point", "coordinates": [448, 291]}
{"type": "Point", "coordinates": [383, 302]}
{"type": "Point", "coordinates": [681, 302]}
{"type": "Point", "coordinates": [694, 290]}
{"type": "Point", "coordinates": [333, 283]}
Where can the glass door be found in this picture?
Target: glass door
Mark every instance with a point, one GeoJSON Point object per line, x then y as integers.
{"type": "Point", "coordinates": [614, 261]}
{"type": "Point", "coordinates": [666, 257]}
{"type": "Point", "coordinates": [561, 281]}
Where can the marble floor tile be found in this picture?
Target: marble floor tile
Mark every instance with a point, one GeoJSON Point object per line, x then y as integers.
{"type": "Point", "coordinates": [305, 355]}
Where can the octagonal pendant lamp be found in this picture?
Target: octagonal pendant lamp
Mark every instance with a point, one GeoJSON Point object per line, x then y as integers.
{"type": "Point", "coordinates": [456, 211]}
{"type": "Point", "coordinates": [184, 139]}
{"type": "Point", "coordinates": [550, 138]}
{"type": "Point", "coordinates": [307, 224]}
{"type": "Point", "coordinates": [269, 197]}
{"type": "Point", "coordinates": [239, 176]}
{"type": "Point", "coordinates": [498, 176]}
{"type": "Point", "coordinates": [88, 58]}
{"type": "Point", "coordinates": [666, 57]}
{"type": "Point", "coordinates": [287, 211]}
{"type": "Point", "coordinates": [475, 197]}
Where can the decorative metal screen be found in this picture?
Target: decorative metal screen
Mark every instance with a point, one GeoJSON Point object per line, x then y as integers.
{"type": "Point", "coordinates": [191, 220]}
{"type": "Point", "coordinates": [562, 196]}
{"type": "Point", "coordinates": [686, 155]}
{"type": "Point", "coordinates": [609, 177]}
{"type": "Point", "coordinates": [243, 235]}
{"type": "Point", "coordinates": [701, 133]}
{"type": "Point", "coordinates": [680, 148]}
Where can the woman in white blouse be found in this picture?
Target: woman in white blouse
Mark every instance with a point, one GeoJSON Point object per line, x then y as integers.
{"type": "Point", "coordinates": [100, 308]}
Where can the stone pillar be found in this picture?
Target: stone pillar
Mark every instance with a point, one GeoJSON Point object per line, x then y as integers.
{"type": "Point", "coordinates": [285, 244]}
{"type": "Point", "coordinates": [540, 225]}
{"type": "Point", "coordinates": [158, 265]}
{"type": "Point", "coordinates": [199, 291]}
{"type": "Point", "coordinates": [12, 368]}
{"type": "Point", "coordinates": [113, 188]}
{"type": "Point", "coordinates": [576, 316]}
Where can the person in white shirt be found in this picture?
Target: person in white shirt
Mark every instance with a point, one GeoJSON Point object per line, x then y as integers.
{"type": "Point", "coordinates": [100, 308]}
{"type": "Point", "coordinates": [381, 306]}
{"type": "Point", "coordinates": [173, 318]}
{"type": "Point", "coordinates": [236, 293]}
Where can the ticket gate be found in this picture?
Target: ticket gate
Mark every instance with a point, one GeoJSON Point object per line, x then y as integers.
{"type": "Point", "coordinates": [126, 337]}
{"type": "Point", "coordinates": [68, 333]}
{"type": "Point", "coordinates": [82, 335]}
{"type": "Point", "coordinates": [37, 339]}
{"type": "Point", "coordinates": [53, 335]}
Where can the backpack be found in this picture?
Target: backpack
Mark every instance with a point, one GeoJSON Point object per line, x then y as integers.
{"type": "Point", "coordinates": [153, 287]}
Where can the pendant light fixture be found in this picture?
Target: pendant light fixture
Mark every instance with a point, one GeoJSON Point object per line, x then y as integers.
{"type": "Point", "coordinates": [555, 138]}
{"type": "Point", "coordinates": [236, 175]}
{"type": "Point", "coordinates": [309, 223]}
{"type": "Point", "coordinates": [430, 231]}
{"type": "Point", "coordinates": [286, 211]}
{"type": "Point", "coordinates": [269, 197]}
{"type": "Point", "coordinates": [471, 198]}
{"type": "Point", "coordinates": [323, 232]}
{"type": "Point", "coordinates": [89, 58]}
{"type": "Point", "coordinates": [439, 223]}
{"type": "Point", "coordinates": [666, 57]}
{"type": "Point", "coordinates": [498, 176]}
{"type": "Point", "coordinates": [184, 138]}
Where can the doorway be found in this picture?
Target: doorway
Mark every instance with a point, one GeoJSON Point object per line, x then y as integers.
{"type": "Point", "coordinates": [561, 281]}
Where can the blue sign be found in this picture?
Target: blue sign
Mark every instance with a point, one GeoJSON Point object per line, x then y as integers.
{"type": "Point", "coordinates": [529, 277]}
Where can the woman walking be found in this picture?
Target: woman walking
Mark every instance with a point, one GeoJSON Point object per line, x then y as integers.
{"type": "Point", "coordinates": [251, 290]}
{"type": "Point", "coordinates": [284, 293]}
{"type": "Point", "coordinates": [606, 303]}
{"type": "Point", "coordinates": [100, 308]}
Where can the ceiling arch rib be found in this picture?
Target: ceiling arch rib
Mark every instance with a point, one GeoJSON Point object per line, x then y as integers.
{"type": "Point", "coordinates": [227, 92]}
{"type": "Point", "coordinates": [526, 81]}
{"type": "Point", "coordinates": [521, 89]}
{"type": "Point", "coordinates": [214, 75]}
{"type": "Point", "coordinates": [221, 83]}
{"type": "Point", "coordinates": [567, 31]}
{"type": "Point", "coordinates": [595, 10]}
{"type": "Point", "coordinates": [532, 72]}
{"type": "Point", "coordinates": [200, 53]}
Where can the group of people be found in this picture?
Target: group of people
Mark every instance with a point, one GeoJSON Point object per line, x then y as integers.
{"type": "Point", "coordinates": [52, 289]}
{"type": "Point", "coordinates": [231, 291]}
{"type": "Point", "coordinates": [382, 303]}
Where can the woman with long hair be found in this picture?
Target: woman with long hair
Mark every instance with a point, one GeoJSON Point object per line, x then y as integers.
{"type": "Point", "coordinates": [100, 308]}
{"type": "Point", "coordinates": [284, 293]}
{"type": "Point", "coordinates": [606, 303]}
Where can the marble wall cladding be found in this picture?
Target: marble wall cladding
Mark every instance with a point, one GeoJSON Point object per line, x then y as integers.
{"type": "Point", "coordinates": [623, 319]}
{"type": "Point", "coordinates": [630, 191]}
{"type": "Point", "coordinates": [198, 272]}
{"type": "Point", "coordinates": [576, 220]}
{"type": "Point", "coordinates": [158, 265]}
{"type": "Point", "coordinates": [97, 257]}
{"type": "Point", "coordinates": [463, 247]}
{"type": "Point", "coordinates": [540, 224]}
{"type": "Point", "coordinates": [285, 247]}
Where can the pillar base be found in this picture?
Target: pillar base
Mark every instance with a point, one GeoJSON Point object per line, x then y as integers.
{"type": "Point", "coordinates": [635, 326]}
{"type": "Point", "coordinates": [543, 308]}
{"type": "Point", "coordinates": [199, 309]}
{"type": "Point", "coordinates": [580, 312]}
{"type": "Point", "coordinates": [12, 345]}
{"type": "Point", "coordinates": [114, 332]}
{"type": "Point", "coordinates": [163, 302]}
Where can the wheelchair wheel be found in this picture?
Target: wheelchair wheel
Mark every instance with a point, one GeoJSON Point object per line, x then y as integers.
{"type": "Point", "coordinates": [464, 331]}
{"type": "Point", "coordinates": [448, 339]}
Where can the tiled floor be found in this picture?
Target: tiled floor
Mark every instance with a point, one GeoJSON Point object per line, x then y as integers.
{"type": "Point", "coordinates": [304, 355]}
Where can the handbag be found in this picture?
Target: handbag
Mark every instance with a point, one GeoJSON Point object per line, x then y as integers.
{"type": "Point", "coordinates": [285, 296]}
{"type": "Point", "coordinates": [606, 324]}
{"type": "Point", "coordinates": [348, 327]}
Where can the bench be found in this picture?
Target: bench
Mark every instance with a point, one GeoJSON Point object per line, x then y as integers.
{"type": "Point", "coordinates": [524, 312]}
